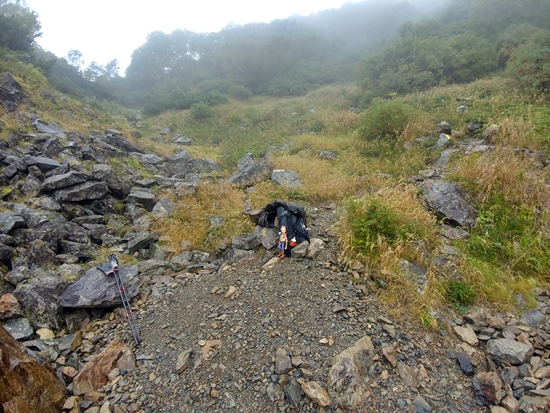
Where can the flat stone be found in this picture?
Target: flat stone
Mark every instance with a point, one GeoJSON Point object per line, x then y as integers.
{"type": "Point", "coordinates": [421, 405]}
{"type": "Point", "coordinates": [509, 351]}
{"type": "Point", "coordinates": [315, 392]}
{"type": "Point", "coordinates": [466, 334]}
{"type": "Point", "coordinates": [19, 328]}
{"type": "Point", "coordinates": [408, 375]}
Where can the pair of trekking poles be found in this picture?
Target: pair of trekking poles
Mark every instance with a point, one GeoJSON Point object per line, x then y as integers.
{"type": "Point", "coordinates": [111, 268]}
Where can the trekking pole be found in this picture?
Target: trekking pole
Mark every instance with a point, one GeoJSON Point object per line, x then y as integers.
{"type": "Point", "coordinates": [111, 268]}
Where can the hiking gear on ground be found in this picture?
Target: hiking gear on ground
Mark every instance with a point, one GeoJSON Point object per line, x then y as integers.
{"type": "Point", "coordinates": [292, 216]}
{"type": "Point", "coordinates": [111, 268]}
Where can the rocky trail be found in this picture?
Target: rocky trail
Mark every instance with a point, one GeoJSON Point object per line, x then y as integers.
{"type": "Point", "coordinates": [245, 339]}
{"type": "Point", "coordinates": [250, 338]}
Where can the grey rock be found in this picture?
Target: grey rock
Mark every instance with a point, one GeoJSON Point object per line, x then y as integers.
{"type": "Point", "coordinates": [245, 161]}
{"type": "Point", "coordinates": [18, 275]}
{"type": "Point", "coordinates": [332, 155]}
{"type": "Point", "coordinates": [82, 192]}
{"type": "Point", "coordinates": [182, 141]}
{"type": "Point", "coordinates": [487, 388]}
{"type": "Point", "coordinates": [147, 158]}
{"type": "Point", "coordinates": [42, 163]}
{"type": "Point", "coordinates": [147, 199]}
{"type": "Point", "coordinates": [287, 178]}
{"type": "Point", "coordinates": [421, 405]}
{"type": "Point", "coordinates": [461, 109]}
{"type": "Point", "coordinates": [473, 127]}
{"type": "Point", "coordinates": [534, 318]}
{"type": "Point", "coordinates": [268, 237]}
{"type": "Point", "coordinates": [164, 131]}
{"type": "Point", "coordinates": [444, 127]}
{"type": "Point", "coordinates": [509, 351]}
{"type": "Point", "coordinates": [489, 133]}
{"type": "Point", "coordinates": [414, 272]}
{"type": "Point", "coordinates": [252, 174]}
{"type": "Point", "coordinates": [77, 249]}
{"type": "Point", "coordinates": [235, 254]}
{"type": "Point", "coordinates": [42, 255]}
{"type": "Point", "coordinates": [246, 241]}
{"type": "Point", "coordinates": [164, 208]}
{"type": "Point", "coordinates": [64, 180]}
{"type": "Point", "coordinates": [442, 142]}
{"type": "Point", "coordinates": [205, 165]}
{"type": "Point", "coordinates": [293, 392]}
{"type": "Point", "coordinates": [186, 259]}
{"type": "Point", "coordinates": [300, 250]}
{"type": "Point", "coordinates": [38, 300]}
{"type": "Point", "coordinates": [465, 363]}
{"type": "Point", "coordinates": [19, 328]}
{"type": "Point", "coordinates": [11, 92]}
{"type": "Point", "coordinates": [118, 140]}
{"type": "Point", "coordinates": [31, 187]}
{"type": "Point", "coordinates": [282, 361]}
{"type": "Point", "coordinates": [10, 221]}
{"type": "Point", "coordinates": [454, 233]}
{"type": "Point", "coordinates": [97, 290]}
{"type": "Point", "coordinates": [45, 127]}
{"type": "Point", "coordinates": [140, 240]}
{"type": "Point", "coordinates": [103, 172]}
{"type": "Point", "coordinates": [448, 201]}
{"type": "Point", "coordinates": [52, 148]}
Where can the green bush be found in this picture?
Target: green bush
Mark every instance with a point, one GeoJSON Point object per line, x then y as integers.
{"type": "Point", "coordinates": [372, 221]}
{"type": "Point", "coordinates": [201, 111]}
{"type": "Point", "coordinates": [461, 294]}
{"type": "Point", "coordinates": [385, 120]}
{"type": "Point", "coordinates": [239, 92]}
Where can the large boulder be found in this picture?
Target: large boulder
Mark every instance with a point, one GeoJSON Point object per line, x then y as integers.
{"type": "Point", "coordinates": [82, 192]}
{"type": "Point", "coordinates": [45, 127]}
{"type": "Point", "coordinates": [26, 385]}
{"type": "Point", "coordinates": [63, 181]}
{"type": "Point", "coordinates": [251, 173]}
{"type": "Point", "coordinates": [448, 201]}
{"type": "Point", "coordinates": [9, 220]}
{"type": "Point", "coordinates": [287, 178]}
{"type": "Point", "coordinates": [118, 140]}
{"type": "Point", "coordinates": [104, 172]}
{"type": "Point", "coordinates": [38, 300]}
{"type": "Point", "coordinates": [147, 199]}
{"type": "Point", "coordinates": [97, 290]}
{"type": "Point", "coordinates": [205, 166]}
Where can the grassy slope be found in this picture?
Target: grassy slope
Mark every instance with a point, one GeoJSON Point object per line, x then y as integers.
{"type": "Point", "coordinates": [502, 258]}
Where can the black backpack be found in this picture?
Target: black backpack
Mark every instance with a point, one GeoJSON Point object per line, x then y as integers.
{"type": "Point", "coordinates": [291, 215]}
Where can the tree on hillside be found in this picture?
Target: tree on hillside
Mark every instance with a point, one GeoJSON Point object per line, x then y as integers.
{"type": "Point", "coordinates": [529, 64]}
{"type": "Point", "coordinates": [19, 26]}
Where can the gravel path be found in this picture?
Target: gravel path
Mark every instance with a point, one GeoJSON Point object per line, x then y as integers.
{"type": "Point", "coordinates": [227, 327]}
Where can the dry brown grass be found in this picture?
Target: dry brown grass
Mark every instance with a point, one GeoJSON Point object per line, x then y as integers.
{"type": "Point", "coordinates": [506, 172]}
{"type": "Point", "coordinates": [517, 133]}
{"type": "Point", "coordinates": [191, 220]}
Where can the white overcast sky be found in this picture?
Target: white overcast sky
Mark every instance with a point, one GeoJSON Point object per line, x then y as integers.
{"type": "Point", "coordinates": [107, 29]}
